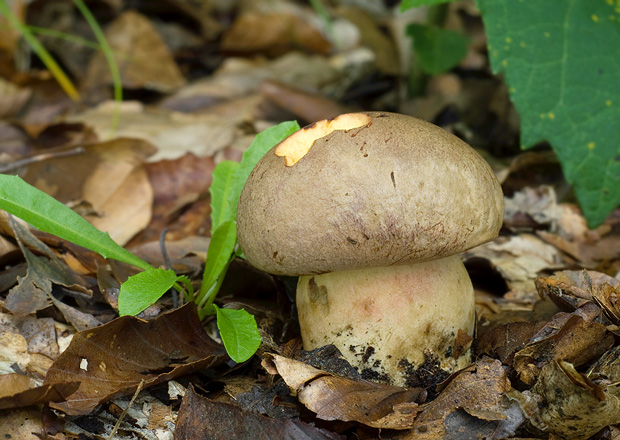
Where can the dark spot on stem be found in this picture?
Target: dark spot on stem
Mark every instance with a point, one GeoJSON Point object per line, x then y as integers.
{"type": "Point", "coordinates": [393, 180]}
{"type": "Point", "coordinates": [351, 240]}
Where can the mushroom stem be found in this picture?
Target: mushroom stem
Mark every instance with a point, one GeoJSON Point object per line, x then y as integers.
{"type": "Point", "coordinates": [388, 321]}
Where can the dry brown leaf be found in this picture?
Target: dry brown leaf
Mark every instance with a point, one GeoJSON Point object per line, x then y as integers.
{"type": "Point", "coordinates": [143, 59]}
{"type": "Point", "coordinates": [310, 107]}
{"type": "Point", "coordinates": [12, 98]}
{"type": "Point", "coordinates": [17, 391]}
{"type": "Point", "coordinates": [472, 404]}
{"type": "Point", "coordinates": [275, 33]}
{"type": "Point", "coordinates": [201, 418]}
{"type": "Point", "coordinates": [20, 346]}
{"type": "Point", "coordinates": [571, 289]}
{"type": "Point", "coordinates": [573, 236]}
{"type": "Point", "coordinates": [333, 397]}
{"type": "Point", "coordinates": [567, 337]}
{"type": "Point", "coordinates": [34, 291]}
{"type": "Point", "coordinates": [572, 406]}
{"type": "Point", "coordinates": [22, 424]}
{"type": "Point", "coordinates": [113, 359]}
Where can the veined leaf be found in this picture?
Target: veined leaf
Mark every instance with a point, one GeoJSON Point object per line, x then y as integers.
{"type": "Point", "coordinates": [49, 215]}
{"type": "Point", "coordinates": [239, 333]}
{"type": "Point", "coordinates": [144, 289]}
{"type": "Point", "coordinates": [560, 60]}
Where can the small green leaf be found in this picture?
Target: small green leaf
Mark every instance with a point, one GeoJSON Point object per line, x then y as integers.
{"type": "Point", "coordinates": [263, 142]}
{"type": "Point", "coordinates": [409, 4]}
{"type": "Point", "coordinates": [221, 249]}
{"type": "Point", "coordinates": [437, 50]}
{"type": "Point", "coordinates": [48, 214]}
{"type": "Point", "coordinates": [239, 333]}
{"type": "Point", "coordinates": [221, 187]}
{"type": "Point", "coordinates": [144, 289]}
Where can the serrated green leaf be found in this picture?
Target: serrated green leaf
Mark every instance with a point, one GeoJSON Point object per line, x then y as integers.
{"type": "Point", "coordinates": [262, 143]}
{"type": "Point", "coordinates": [239, 333]}
{"type": "Point", "coordinates": [437, 50]}
{"type": "Point", "coordinates": [221, 249]}
{"type": "Point", "coordinates": [221, 187]}
{"type": "Point", "coordinates": [144, 289]}
{"type": "Point", "coordinates": [560, 60]}
{"type": "Point", "coordinates": [409, 4]}
{"type": "Point", "coordinates": [48, 214]}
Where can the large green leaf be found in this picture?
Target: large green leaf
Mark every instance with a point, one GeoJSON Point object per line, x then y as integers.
{"type": "Point", "coordinates": [48, 214]}
{"type": "Point", "coordinates": [561, 61]}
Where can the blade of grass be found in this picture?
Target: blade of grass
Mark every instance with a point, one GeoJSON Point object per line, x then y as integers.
{"type": "Point", "coordinates": [109, 56]}
{"type": "Point", "coordinates": [41, 52]}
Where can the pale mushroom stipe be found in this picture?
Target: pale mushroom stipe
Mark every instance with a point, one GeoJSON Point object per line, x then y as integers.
{"type": "Point", "coordinates": [371, 210]}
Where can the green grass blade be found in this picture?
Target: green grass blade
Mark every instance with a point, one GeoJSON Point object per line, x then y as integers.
{"type": "Point", "coordinates": [48, 214]}
{"type": "Point", "coordinates": [220, 189]}
{"type": "Point", "coordinates": [263, 142]}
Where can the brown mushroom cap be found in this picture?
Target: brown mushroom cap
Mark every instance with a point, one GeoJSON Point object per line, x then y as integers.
{"type": "Point", "coordinates": [396, 190]}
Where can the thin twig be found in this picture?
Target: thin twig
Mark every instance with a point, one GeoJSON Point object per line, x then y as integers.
{"type": "Point", "coordinates": [39, 158]}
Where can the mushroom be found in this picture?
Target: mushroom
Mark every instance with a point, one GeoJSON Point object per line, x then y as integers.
{"type": "Point", "coordinates": [370, 210]}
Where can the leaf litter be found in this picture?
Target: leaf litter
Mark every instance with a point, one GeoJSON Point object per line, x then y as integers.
{"type": "Point", "coordinates": [546, 348]}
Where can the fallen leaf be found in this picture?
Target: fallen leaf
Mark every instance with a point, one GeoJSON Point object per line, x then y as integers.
{"type": "Point", "coordinates": [338, 398]}
{"type": "Point", "coordinates": [472, 405]}
{"type": "Point", "coordinates": [567, 337]}
{"type": "Point", "coordinates": [573, 406]}
{"type": "Point", "coordinates": [113, 359]}
{"type": "Point", "coordinates": [200, 417]}
{"type": "Point", "coordinates": [17, 391]}
{"type": "Point", "coordinates": [275, 33]}
{"type": "Point", "coordinates": [143, 59]}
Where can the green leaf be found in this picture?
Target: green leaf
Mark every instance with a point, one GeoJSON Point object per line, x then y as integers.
{"type": "Point", "coordinates": [48, 214]}
{"type": "Point", "coordinates": [437, 50]}
{"type": "Point", "coordinates": [144, 289]}
{"type": "Point", "coordinates": [409, 4]}
{"type": "Point", "coordinates": [561, 63]}
{"type": "Point", "coordinates": [239, 333]}
{"type": "Point", "coordinates": [221, 187]}
{"type": "Point", "coordinates": [262, 143]}
{"type": "Point", "coordinates": [219, 255]}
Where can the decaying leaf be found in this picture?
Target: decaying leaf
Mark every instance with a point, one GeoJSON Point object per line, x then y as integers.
{"type": "Point", "coordinates": [338, 398]}
{"type": "Point", "coordinates": [34, 291]}
{"type": "Point", "coordinates": [572, 405]}
{"type": "Point", "coordinates": [473, 404]}
{"type": "Point", "coordinates": [17, 391]}
{"type": "Point", "coordinates": [567, 337]}
{"type": "Point", "coordinates": [201, 418]}
{"type": "Point", "coordinates": [114, 358]}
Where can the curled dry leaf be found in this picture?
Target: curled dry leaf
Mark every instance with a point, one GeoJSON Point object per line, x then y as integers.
{"type": "Point", "coordinates": [572, 405]}
{"type": "Point", "coordinates": [202, 418]}
{"type": "Point", "coordinates": [333, 397]}
{"type": "Point", "coordinates": [17, 391]}
{"type": "Point", "coordinates": [114, 358]}
{"type": "Point", "coordinates": [567, 337]}
{"type": "Point", "coordinates": [472, 403]}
